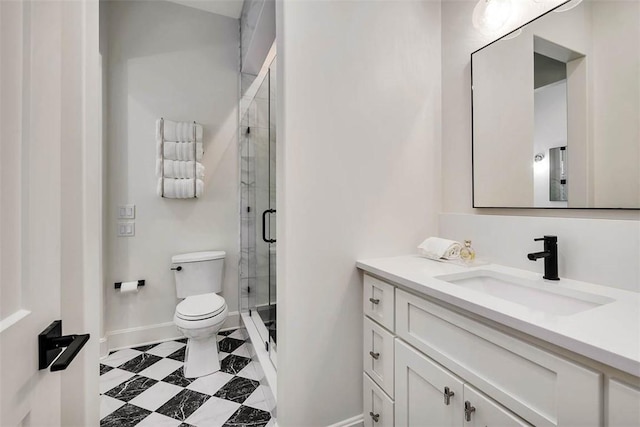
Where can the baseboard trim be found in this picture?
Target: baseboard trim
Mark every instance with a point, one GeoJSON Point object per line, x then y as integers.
{"type": "Point", "coordinates": [357, 421]}
{"type": "Point", "coordinates": [151, 334]}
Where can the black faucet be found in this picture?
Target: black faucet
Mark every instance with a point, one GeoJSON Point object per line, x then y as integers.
{"type": "Point", "coordinates": [550, 255]}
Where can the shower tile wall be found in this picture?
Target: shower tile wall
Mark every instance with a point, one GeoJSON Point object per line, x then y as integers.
{"type": "Point", "coordinates": [254, 259]}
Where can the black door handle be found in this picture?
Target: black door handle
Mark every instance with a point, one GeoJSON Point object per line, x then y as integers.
{"type": "Point", "coordinates": [264, 227]}
{"type": "Point", "coordinates": [51, 344]}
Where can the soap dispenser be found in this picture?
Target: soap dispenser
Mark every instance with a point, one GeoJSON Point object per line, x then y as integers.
{"type": "Point", "coordinates": [467, 253]}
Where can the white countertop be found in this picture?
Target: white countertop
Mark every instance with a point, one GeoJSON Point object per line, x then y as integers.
{"type": "Point", "coordinates": [609, 333]}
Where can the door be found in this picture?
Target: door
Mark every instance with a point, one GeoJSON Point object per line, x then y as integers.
{"type": "Point", "coordinates": [482, 411]}
{"type": "Point", "coordinates": [426, 394]}
{"type": "Point", "coordinates": [49, 207]}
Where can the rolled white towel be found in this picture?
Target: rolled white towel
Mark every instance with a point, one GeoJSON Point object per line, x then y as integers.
{"type": "Point", "coordinates": [182, 151]}
{"type": "Point", "coordinates": [180, 169]}
{"type": "Point", "coordinates": [436, 248]}
{"type": "Point", "coordinates": [179, 188]}
{"type": "Point", "coordinates": [178, 131]}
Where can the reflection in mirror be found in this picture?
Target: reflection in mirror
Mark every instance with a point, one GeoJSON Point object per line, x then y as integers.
{"type": "Point", "coordinates": [566, 82]}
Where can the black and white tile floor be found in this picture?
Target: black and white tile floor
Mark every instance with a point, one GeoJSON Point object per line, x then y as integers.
{"type": "Point", "coordinates": [145, 387]}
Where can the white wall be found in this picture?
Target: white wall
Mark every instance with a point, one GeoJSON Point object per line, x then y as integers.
{"type": "Point", "coordinates": [171, 61]}
{"type": "Point", "coordinates": [358, 165]}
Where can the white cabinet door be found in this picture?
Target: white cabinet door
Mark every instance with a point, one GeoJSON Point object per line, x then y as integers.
{"type": "Point", "coordinates": [624, 405]}
{"type": "Point", "coordinates": [377, 406]}
{"type": "Point", "coordinates": [420, 391]}
{"type": "Point", "coordinates": [481, 411]}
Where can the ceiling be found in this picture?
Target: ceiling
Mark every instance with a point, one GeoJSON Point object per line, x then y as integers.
{"type": "Point", "coordinates": [230, 8]}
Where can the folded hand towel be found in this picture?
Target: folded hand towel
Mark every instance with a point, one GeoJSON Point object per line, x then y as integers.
{"type": "Point", "coordinates": [179, 169]}
{"type": "Point", "coordinates": [436, 248]}
{"type": "Point", "coordinates": [179, 151]}
{"type": "Point", "coordinates": [178, 131]}
{"type": "Point", "coordinates": [179, 188]}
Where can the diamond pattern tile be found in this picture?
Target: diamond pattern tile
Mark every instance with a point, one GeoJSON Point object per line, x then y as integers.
{"type": "Point", "coordinates": [145, 386]}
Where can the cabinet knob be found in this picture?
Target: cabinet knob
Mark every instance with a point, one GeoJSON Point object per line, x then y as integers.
{"type": "Point", "coordinates": [375, 417]}
{"type": "Point", "coordinates": [374, 301]}
{"type": "Point", "coordinates": [374, 355]}
{"type": "Point", "coordinates": [468, 410]}
{"type": "Point", "coordinates": [448, 394]}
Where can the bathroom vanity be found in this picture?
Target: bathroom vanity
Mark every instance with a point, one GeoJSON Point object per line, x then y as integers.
{"type": "Point", "coordinates": [449, 345]}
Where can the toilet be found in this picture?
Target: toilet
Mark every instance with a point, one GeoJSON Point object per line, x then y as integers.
{"type": "Point", "coordinates": [201, 313]}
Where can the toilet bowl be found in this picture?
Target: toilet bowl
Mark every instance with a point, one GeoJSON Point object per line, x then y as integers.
{"type": "Point", "coordinates": [199, 318]}
{"type": "Point", "coordinates": [202, 312]}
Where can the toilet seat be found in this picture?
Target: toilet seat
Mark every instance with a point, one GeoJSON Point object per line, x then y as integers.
{"type": "Point", "coordinates": [200, 307]}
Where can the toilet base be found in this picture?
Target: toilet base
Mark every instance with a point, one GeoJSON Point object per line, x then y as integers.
{"type": "Point", "coordinates": [201, 357]}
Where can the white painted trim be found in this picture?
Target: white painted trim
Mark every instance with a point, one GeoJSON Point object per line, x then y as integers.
{"type": "Point", "coordinates": [14, 318]}
{"type": "Point", "coordinates": [262, 354]}
{"type": "Point", "coordinates": [150, 334]}
{"type": "Point", "coordinates": [357, 421]}
{"type": "Point", "coordinates": [104, 347]}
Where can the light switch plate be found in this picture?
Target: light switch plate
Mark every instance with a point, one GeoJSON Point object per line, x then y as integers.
{"type": "Point", "coordinates": [126, 228]}
{"type": "Point", "coordinates": [126, 211]}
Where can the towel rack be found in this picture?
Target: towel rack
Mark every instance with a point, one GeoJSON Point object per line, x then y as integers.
{"type": "Point", "coordinates": [195, 158]}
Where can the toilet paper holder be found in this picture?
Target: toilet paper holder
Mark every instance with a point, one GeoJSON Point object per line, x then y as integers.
{"type": "Point", "coordinates": [118, 285]}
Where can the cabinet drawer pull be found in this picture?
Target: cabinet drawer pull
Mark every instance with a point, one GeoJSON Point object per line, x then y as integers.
{"type": "Point", "coordinates": [374, 300]}
{"type": "Point", "coordinates": [374, 355]}
{"type": "Point", "coordinates": [448, 394]}
{"type": "Point", "coordinates": [374, 416]}
{"type": "Point", "coordinates": [468, 410]}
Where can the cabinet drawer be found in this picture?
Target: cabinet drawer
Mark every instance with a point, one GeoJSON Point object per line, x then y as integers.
{"type": "Point", "coordinates": [544, 389]}
{"type": "Point", "coordinates": [378, 407]}
{"type": "Point", "coordinates": [623, 405]}
{"type": "Point", "coordinates": [378, 302]}
{"type": "Point", "coordinates": [378, 355]}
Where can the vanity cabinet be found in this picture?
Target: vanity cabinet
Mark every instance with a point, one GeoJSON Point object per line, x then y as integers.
{"type": "Point", "coordinates": [436, 367]}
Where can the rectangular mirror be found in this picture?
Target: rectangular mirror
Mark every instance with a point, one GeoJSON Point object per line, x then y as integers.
{"type": "Point", "coordinates": [556, 111]}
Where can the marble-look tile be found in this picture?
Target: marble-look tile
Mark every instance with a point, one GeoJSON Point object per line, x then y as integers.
{"type": "Point", "coordinates": [166, 348]}
{"type": "Point", "coordinates": [251, 371]}
{"type": "Point", "coordinates": [248, 417]}
{"type": "Point", "coordinates": [222, 355]}
{"type": "Point", "coordinates": [131, 388]}
{"type": "Point", "coordinates": [185, 425]}
{"type": "Point", "coordinates": [178, 354]}
{"type": "Point", "coordinates": [161, 369]}
{"type": "Point", "coordinates": [113, 378]}
{"type": "Point", "coordinates": [242, 350]}
{"type": "Point", "coordinates": [213, 413]}
{"type": "Point", "coordinates": [119, 357]}
{"type": "Point", "coordinates": [240, 334]}
{"type": "Point", "coordinates": [238, 389]}
{"type": "Point", "coordinates": [183, 404]}
{"type": "Point", "coordinates": [156, 396]}
{"type": "Point", "coordinates": [227, 332]}
{"type": "Point", "coordinates": [126, 416]}
{"type": "Point", "coordinates": [233, 364]}
{"type": "Point", "coordinates": [257, 400]}
{"type": "Point", "coordinates": [158, 420]}
{"type": "Point", "coordinates": [108, 405]}
{"type": "Point", "coordinates": [182, 340]}
{"type": "Point", "coordinates": [210, 384]}
{"type": "Point", "coordinates": [144, 348]}
{"type": "Point", "coordinates": [271, 423]}
{"type": "Point", "coordinates": [104, 369]}
{"type": "Point", "coordinates": [177, 378]}
{"type": "Point", "coordinates": [140, 363]}
{"type": "Point", "coordinates": [228, 345]}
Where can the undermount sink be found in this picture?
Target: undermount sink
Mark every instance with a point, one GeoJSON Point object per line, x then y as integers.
{"type": "Point", "coordinates": [536, 295]}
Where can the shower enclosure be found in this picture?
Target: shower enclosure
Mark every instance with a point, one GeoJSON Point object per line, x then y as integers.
{"type": "Point", "coordinates": [258, 205]}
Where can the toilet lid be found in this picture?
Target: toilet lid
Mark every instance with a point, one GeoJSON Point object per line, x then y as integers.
{"type": "Point", "coordinates": [200, 306]}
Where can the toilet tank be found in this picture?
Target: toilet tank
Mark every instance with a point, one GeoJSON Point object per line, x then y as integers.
{"type": "Point", "coordinates": [198, 272]}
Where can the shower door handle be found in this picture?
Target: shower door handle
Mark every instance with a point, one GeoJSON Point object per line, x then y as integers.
{"type": "Point", "coordinates": [264, 225]}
